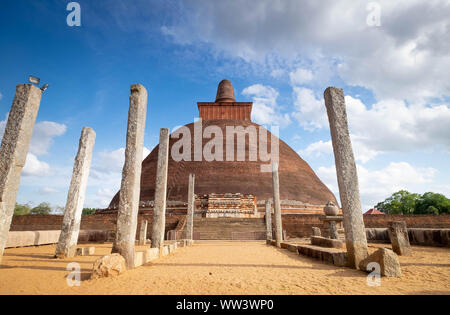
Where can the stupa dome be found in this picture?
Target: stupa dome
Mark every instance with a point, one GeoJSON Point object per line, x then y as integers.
{"type": "Point", "coordinates": [298, 182]}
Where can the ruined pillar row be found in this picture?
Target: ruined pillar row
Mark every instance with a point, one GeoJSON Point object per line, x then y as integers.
{"type": "Point", "coordinates": [347, 177]}
{"type": "Point", "coordinates": [268, 220]}
{"type": "Point", "coordinates": [191, 208]}
{"type": "Point", "coordinates": [143, 233]}
{"type": "Point", "coordinates": [68, 239]}
{"type": "Point", "coordinates": [13, 152]}
{"type": "Point", "coordinates": [127, 217]}
{"type": "Point", "coordinates": [159, 209]}
{"type": "Point", "coordinates": [276, 205]}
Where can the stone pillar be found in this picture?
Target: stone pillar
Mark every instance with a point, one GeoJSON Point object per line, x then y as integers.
{"type": "Point", "coordinates": [13, 152]}
{"type": "Point", "coordinates": [268, 220]}
{"type": "Point", "coordinates": [143, 233]}
{"type": "Point", "coordinates": [398, 233]}
{"type": "Point", "coordinates": [276, 205]}
{"type": "Point", "coordinates": [355, 233]}
{"type": "Point", "coordinates": [68, 239]}
{"type": "Point", "coordinates": [316, 231]}
{"type": "Point", "coordinates": [130, 188]}
{"type": "Point", "coordinates": [333, 230]}
{"type": "Point", "coordinates": [159, 210]}
{"type": "Point", "coordinates": [191, 208]}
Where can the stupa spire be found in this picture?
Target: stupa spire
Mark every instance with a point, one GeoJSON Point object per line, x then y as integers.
{"type": "Point", "coordinates": [225, 92]}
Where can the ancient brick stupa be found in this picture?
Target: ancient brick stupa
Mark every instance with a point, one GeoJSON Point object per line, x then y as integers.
{"type": "Point", "coordinates": [236, 182]}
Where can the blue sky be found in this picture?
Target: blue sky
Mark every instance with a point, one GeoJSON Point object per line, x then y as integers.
{"type": "Point", "coordinates": [279, 54]}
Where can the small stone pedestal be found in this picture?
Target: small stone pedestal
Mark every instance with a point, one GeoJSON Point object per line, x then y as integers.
{"type": "Point", "coordinates": [332, 222]}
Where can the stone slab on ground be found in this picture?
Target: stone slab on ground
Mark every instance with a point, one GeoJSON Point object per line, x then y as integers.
{"type": "Point", "coordinates": [36, 238]}
{"type": "Point", "coordinates": [32, 238]}
{"type": "Point", "coordinates": [284, 245]}
{"type": "Point", "coordinates": [139, 259]}
{"type": "Point", "coordinates": [387, 260]}
{"type": "Point", "coordinates": [171, 248]}
{"type": "Point", "coordinates": [328, 255]}
{"type": "Point", "coordinates": [422, 237]}
{"type": "Point", "coordinates": [85, 251]}
{"type": "Point", "coordinates": [151, 254]}
{"type": "Point", "coordinates": [326, 242]}
{"type": "Point", "coordinates": [292, 248]}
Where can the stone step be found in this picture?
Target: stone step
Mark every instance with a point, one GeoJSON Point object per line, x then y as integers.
{"type": "Point", "coordinates": [229, 228]}
{"type": "Point", "coordinates": [328, 255]}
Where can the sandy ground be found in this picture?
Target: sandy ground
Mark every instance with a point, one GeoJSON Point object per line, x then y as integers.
{"type": "Point", "coordinates": [222, 268]}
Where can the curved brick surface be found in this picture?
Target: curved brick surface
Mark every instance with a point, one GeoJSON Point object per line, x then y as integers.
{"type": "Point", "coordinates": [297, 180]}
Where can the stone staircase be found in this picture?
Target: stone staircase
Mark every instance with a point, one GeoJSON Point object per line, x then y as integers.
{"type": "Point", "coordinates": [229, 229]}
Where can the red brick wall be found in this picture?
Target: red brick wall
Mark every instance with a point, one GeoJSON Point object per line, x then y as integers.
{"type": "Point", "coordinates": [88, 222]}
{"type": "Point", "coordinates": [300, 225]}
{"type": "Point", "coordinates": [296, 225]}
{"type": "Point", "coordinates": [412, 221]}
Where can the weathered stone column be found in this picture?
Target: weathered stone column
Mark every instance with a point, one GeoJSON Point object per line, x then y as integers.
{"type": "Point", "coordinates": [13, 152]}
{"type": "Point", "coordinates": [276, 205]}
{"type": "Point", "coordinates": [398, 234]}
{"type": "Point", "coordinates": [333, 230]}
{"type": "Point", "coordinates": [143, 233]}
{"type": "Point", "coordinates": [130, 188]}
{"type": "Point", "coordinates": [316, 231]}
{"type": "Point", "coordinates": [355, 233]}
{"type": "Point", "coordinates": [68, 239]}
{"type": "Point", "coordinates": [191, 208]}
{"type": "Point", "coordinates": [268, 220]}
{"type": "Point", "coordinates": [159, 209]}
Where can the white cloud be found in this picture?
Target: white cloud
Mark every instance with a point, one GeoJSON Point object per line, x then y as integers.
{"type": "Point", "coordinates": [34, 167]}
{"type": "Point", "coordinates": [43, 135]}
{"type": "Point", "coordinates": [102, 197]}
{"type": "Point", "coordinates": [362, 152]}
{"type": "Point", "coordinates": [309, 111]}
{"type": "Point", "coordinates": [48, 191]}
{"type": "Point", "coordinates": [145, 153]}
{"type": "Point", "coordinates": [406, 58]}
{"type": "Point", "coordinates": [1, 96]}
{"type": "Point", "coordinates": [388, 126]}
{"type": "Point", "coordinates": [301, 76]}
{"type": "Point", "coordinates": [111, 162]}
{"type": "Point", "coordinates": [277, 73]}
{"type": "Point", "coordinates": [266, 110]}
{"type": "Point", "coordinates": [317, 149]}
{"type": "Point", "coordinates": [394, 126]}
{"type": "Point", "coordinates": [3, 126]}
{"type": "Point", "coordinates": [377, 185]}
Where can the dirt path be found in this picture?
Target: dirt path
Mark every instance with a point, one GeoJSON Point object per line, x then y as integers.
{"type": "Point", "coordinates": [222, 268]}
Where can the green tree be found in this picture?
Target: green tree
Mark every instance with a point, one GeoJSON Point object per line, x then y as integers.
{"type": "Point", "coordinates": [401, 202]}
{"type": "Point", "coordinates": [22, 209]}
{"type": "Point", "coordinates": [431, 202]}
{"type": "Point", "coordinates": [43, 208]}
{"type": "Point", "coordinates": [89, 211]}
